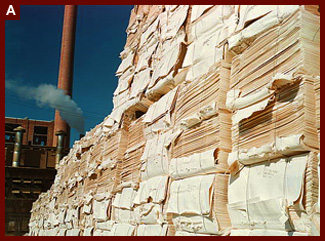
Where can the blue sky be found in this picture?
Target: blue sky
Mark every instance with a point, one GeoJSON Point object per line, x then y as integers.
{"type": "Point", "coordinates": [33, 52]}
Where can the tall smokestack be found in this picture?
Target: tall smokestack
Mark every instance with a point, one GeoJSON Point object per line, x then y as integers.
{"type": "Point", "coordinates": [17, 149]}
{"type": "Point", "coordinates": [66, 66]}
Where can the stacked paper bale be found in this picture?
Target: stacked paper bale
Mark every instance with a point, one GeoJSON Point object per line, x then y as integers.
{"type": "Point", "coordinates": [198, 165]}
{"type": "Point", "coordinates": [214, 130]}
{"type": "Point", "coordinates": [317, 90]}
{"type": "Point", "coordinates": [274, 131]}
{"type": "Point", "coordinates": [135, 146]}
{"type": "Point", "coordinates": [199, 155]}
{"type": "Point", "coordinates": [150, 199]}
{"type": "Point", "coordinates": [84, 183]}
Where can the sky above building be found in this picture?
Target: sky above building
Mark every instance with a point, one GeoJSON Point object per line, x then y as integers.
{"type": "Point", "coordinates": [33, 52]}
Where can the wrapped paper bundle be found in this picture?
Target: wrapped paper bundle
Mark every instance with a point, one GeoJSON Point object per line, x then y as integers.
{"type": "Point", "coordinates": [204, 97]}
{"type": "Point", "coordinates": [254, 20]}
{"type": "Point", "coordinates": [133, 39]}
{"type": "Point", "coordinates": [71, 219]}
{"type": "Point", "coordinates": [260, 195]}
{"type": "Point", "coordinates": [145, 53]}
{"type": "Point", "coordinates": [103, 228]}
{"type": "Point", "coordinates": [205, 37]}
{"type": "Point", "coordinates": [131, 162]}
{"type": "Point", "coordinates": [101, 206]}
{"type": "Point", "coordinates": [131, 166]}
{"type": "Point", "coordinates": [175, 19]}
{"type": "Point", "coordinates": [78, 190]}
{"type": "Point", "coordinates": [149, 32]}
{"type": "Point", "coordinates": [165, 64]}
{"type": "Point", "coordinates": [122, 207]}
{"type": "Point", "coordinates": [137, 101]}
{"type": "Point", "coordinates": [187, 215]}
{"type": "Point", "coordinates": [68, 179]}
{"type": "Point", "coordinates": [292, 47]}
{"type": "Point", "coordinates": [91, 183]}
{"type": "Point", "coordinates": [136, 133]}
{"type": "Point", "coordinates": [164, 106]}
{"type": "Point", "coordinates": [109, 146]}
{"type": "Point", "coordinates": [63, 196]}
{"type": "Point", "coordinates": [109, 177]}
{"type": "Point", "coordinates": [137, 29]}
{"type": "Point", "coordinates": [149, 205]}
{"type": "Point", "coordinates": [127, 57]}
{"type": "Point", "coordinates": [154, 11]}
{"type": "Point", "coordinates": [180, 190]}
{"type": "Point", "coordinates": [155, 157]}
{"type": "Point", "coordinates": [84, 162]}
{"type": "Point", "coordinates": [151, 230]}
{"type": "Point", "coordinates": [170, 51]}
{"type": "Point", "coordinates": [87, 221]}
{"type": "Point", "coordinates": [217, 222]}
{"type": "Point", "coordinates": [121, 94]}
{"type": "Point", "coordinates": [198, 11]}
{"type": "Point", "coordinates": [280, 121]}
{"type": "Point", "coordinates": [211, 134]}
{"type": "Point", "coordinates": [134, 30]}
{"type": "Point", "coordinates": [97, 152]}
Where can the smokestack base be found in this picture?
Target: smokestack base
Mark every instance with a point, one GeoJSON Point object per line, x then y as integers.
{"type": "Point", "coordinates": [18, 142]}
{"type": "Point", "coordinates": [59, 148]}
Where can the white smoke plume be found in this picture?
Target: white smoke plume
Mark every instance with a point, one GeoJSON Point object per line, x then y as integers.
{"type": "Point", "coordinates": [46, 94]}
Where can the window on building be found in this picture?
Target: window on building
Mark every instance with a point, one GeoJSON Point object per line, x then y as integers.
{"type": "Point", "coordinates": [40, 135]}
{"type": "Point", "coordinates": [9, 132]}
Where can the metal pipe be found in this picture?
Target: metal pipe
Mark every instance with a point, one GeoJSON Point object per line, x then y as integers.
{"type": "Point", "coordinates": [59, 148]}
{"type": "Point", "coordinates": [18, 142]}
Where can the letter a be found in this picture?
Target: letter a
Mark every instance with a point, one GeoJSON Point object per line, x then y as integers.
{"type": "Point", "coordinates": [11, 10]}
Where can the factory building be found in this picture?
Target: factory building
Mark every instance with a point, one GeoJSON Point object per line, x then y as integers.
{"type": "Point", "coordinates": [29, 172]}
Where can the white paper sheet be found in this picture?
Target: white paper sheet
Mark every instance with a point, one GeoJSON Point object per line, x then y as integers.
{"type": "Point", "coordinates": [73, 232]}
{"type": "Point", "coordinates": [122, 229]}
{"type": "Point", "coordinates": [152, 230]}
{"type": "Point", "coordinates": [150, 213]}
{"type": "Point", "coordinates": [107, 225]}
{"type": "Point", "coordinates": [196, 224]}
{"type": "Point", "coordinates": [153, 188]}
{"type": "Point", "coordinates": [161, 107]}
{"type": "Point", "coordinates": [88, 231]}
{"type": "Point", "coordinates": [125, 198]}
{"type": "Point", "coordinates": [196, 164]}
{"type": "Point", "coordinates": [264, 232]}
{"type": "Point", "coordinates": [191, 195]}
{"type": "Point", "coordinates": [198, 10]}
{"type": "Point", "coordinates": [100, 210]}
{"type": "Point", "coordinates": [259, 194]}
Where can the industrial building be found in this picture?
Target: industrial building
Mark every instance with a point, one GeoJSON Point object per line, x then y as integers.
{"type": "Point", "coordinates": [32, 174]}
